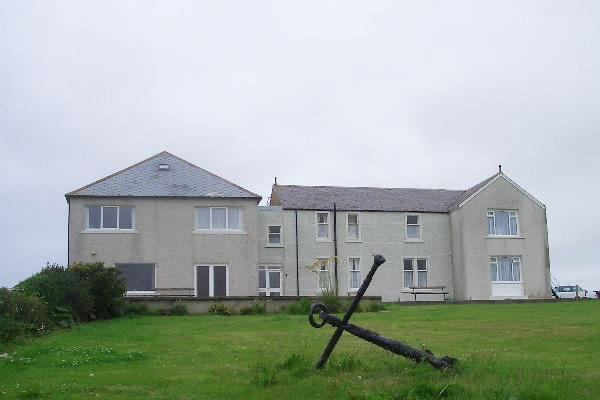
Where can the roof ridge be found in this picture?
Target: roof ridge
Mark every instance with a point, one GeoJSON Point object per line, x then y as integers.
{"type": "Point", "coordinates": [369, 187]}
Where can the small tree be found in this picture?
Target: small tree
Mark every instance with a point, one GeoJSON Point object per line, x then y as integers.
{"type": "Point", "coordinates": [321, 267]}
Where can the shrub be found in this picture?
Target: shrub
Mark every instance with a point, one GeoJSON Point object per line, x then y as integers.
{"type": "Point", "coordinates": [259, 307]}
{"type": "Point", "coordinates": [301, 307]}
{"type": "Point", "coordinates": [135, 309]}
{"type": "Point", "coordinates": [88, 291]}
{"type": "Point", "coordinates": [22, 313]}
{"type": "Point", "coordinates": [106, 288]}
{"type": "Point", "coordinates": [373, 306]}
{"type": "Point", "coordinates": [219, 309]}
{"type": "Point", "coordinates": [333, 302]}
{"type": "Point", "coordinates": [180, 309]}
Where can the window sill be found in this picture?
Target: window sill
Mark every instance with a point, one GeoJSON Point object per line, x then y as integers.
{"type": "Point", "coordinates": [504, 237]}
{"type": "Point", "coordinates": [354, 241]}
{"type": "Point", "coordinates": [507, 282]}
{"type": "Point", "coordinates": [414, 241]}
{"type": "Point", "coordinates": [219, 232]}
{"type": "Point", "coordinates": [276, 246]}
{"type": "Point", "coordinates": [139, 292]}
{"type": "Point", "coordinates": [109, 231]}
{"type": "Point", "coordinates": [323, 240]}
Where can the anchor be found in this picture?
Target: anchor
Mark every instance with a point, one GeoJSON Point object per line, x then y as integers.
{"type": "Point", "coordinates": [388, 344]}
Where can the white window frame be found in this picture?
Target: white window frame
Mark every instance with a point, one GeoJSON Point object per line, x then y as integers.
{"type": "Point", "coordinates": [210, 229]}
{"type": "Point", "coordinates": [211, 278]}
{"type": "Point", "coordinates": [492, 213]}
{"type": "Point", "coordinates": [321, 239]}
{"type": "Point", "coordinates": [274, 268]}
{"type": "Point", "coordinates": [269, 244]}
{"type": "Point", "coordinates": [415, 272]}
{"type": "Point", "coordinates": [419, 224]}
{"type": "Point", "coordinates": [87, 228]}
{"type": "Point", "coordinates": [329, 283]}
{"type": "Point", "coordinates": [511, 259]}
{"type": "Point", "coordinates": [350, 270]}
{"type": "Point", "coordinates": [348, 238]}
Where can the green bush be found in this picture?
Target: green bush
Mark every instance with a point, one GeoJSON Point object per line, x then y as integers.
{"type": "Point", "coordinates": [220, 309]}
{"type": "Point", "coordinates": [180, 309]}
{"type": "Point", "coordinates": [22, 313]}
{"type": "Point", "coordinates": [333, 302]}
{"type": "Point", "coordinates": [301, 307]}
{"type": "Point", "coordinates": [88, 291]}
{"type": "Point", "coordinates": [135, 309]}
{"type": "Point", "coordinates": [259, 307]}
{"type": "Point", "coordinates": [105, 287]}
{"type": "Point", "coordinates": [373, 306]}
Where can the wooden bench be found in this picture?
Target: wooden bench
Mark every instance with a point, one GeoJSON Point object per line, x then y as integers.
{"type": "Point", "coordinates": [429, 290]}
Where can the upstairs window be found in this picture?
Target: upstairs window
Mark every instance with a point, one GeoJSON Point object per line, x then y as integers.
{"type": "Point", "coordinates": [353, 226]}
{"type": "Point", "coordinates": [109, 217]}
{"type": "Point", "coordinates": [502, 223]}
{"type": "Point", "coordinates": [274, 234]}
{"type": "Point", "coordinates": [322, 225]}
{"type": "Point", "coordinates": [505, 269]}
{"type": "Point", "coordinates": [413, 226]}
{"type": "Point", "coordinates": [219, 218]}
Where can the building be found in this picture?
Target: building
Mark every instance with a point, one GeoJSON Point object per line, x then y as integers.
{"type": "Point", "coordinates": [173, 228]}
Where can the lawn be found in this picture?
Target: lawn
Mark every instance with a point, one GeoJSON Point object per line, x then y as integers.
{"type": "Point", "coordinates": [507, 351]}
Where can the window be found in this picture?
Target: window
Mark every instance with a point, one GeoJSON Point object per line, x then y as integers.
{"type": "Point", "coordinates": [408, 273]}
{"type": "Point", "coordinates": [502, 223]}
{"type": "Point", "coordinates": [355, 280]}
{"type": "Point", "coordinates": [353, 226]}
{"type": "Point", "coordinates": [410, 265]}
{"type": "Point", "coordinates": [274, 234]}
{"type": "Point", "coordinates": [413, 227]}
{"type": "Point", "coordinates": [212, 281]}
{"type": "Point", "coordinates": [269, 281]}
{"type": "Point", "coordinates": [323, 279]}
{"type": "Point", "coordinates": [505, 269]}
{"type": "Point", "coordinates": [219, 218]}
{"type": "Point", "coordinates": [109, 217]}
{"type": "Point", "coordinates": [139, 277]}
{"type": "Point", "coordinates": [322, 225]}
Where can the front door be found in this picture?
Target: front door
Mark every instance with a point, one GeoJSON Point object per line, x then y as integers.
{"type": "Point", "coordinates": [269, 281]}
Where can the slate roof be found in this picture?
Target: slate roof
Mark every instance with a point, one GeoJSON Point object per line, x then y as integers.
{"type": "Point", "coordinates": [370, 198]}
{"type": "Point", "coordinates": [182, 179]}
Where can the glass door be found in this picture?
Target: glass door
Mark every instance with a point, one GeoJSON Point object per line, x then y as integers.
{"type": "Point", "coordinates": [269, 281]}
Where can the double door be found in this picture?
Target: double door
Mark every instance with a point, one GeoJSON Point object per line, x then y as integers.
{"type": "Point", "coordinates": [269, 281]}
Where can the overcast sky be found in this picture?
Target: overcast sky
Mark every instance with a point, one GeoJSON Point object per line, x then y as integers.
{"type": "Point", "coordinates": [372, 93]}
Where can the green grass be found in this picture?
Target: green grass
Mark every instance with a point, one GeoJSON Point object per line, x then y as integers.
{"type": "Point", "coordinates": [509, 351]}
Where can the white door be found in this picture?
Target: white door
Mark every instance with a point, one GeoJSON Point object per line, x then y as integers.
{"type": "Point", "coordinates": [269, 281]}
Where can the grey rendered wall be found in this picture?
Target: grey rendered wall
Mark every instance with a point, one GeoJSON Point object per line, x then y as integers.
{"type": "Point", "coordinates": [272, 255]}
{"type": "Point", "coordinates": [164, 236]}
{"type": "Point", "coordinates": [471, 248]}
{"type": "Point", "coordinates": [381, 232]}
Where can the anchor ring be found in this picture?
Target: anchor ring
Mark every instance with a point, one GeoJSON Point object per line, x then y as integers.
{"type": "Point", "coordinates": [317, 309]}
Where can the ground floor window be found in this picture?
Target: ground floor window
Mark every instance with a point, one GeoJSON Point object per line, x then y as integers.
{"type": "Point", "coordinates": [212, 281]}
{"type": "Point", "coordinates": [269, 281]}
{"type": "Point", "coordinates": [139, 277]}
{"type": "Point", "coordinates": [505, 269]}
{"type": "Point", "coordinates": [355, 281]}
{"type": "Point", "coordinates": [412, 280]}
